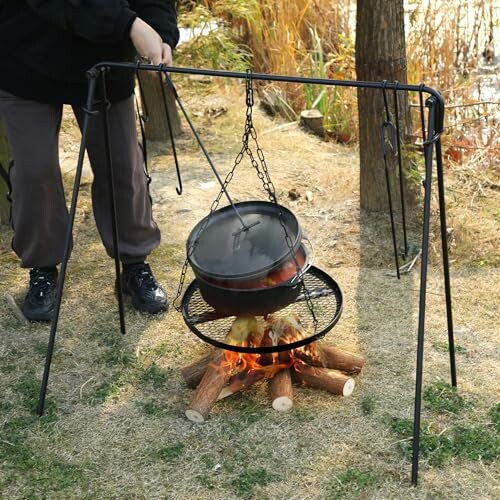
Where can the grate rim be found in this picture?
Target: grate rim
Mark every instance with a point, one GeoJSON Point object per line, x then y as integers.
{"type": "Point", "coordinates": [212, 327]}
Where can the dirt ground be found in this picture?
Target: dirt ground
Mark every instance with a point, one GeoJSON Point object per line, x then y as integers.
{"type": "Point", "coordinates": [117, 403]}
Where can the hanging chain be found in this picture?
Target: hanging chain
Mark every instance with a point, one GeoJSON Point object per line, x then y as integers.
{"type": "Point", "coordinates": [263, 174]}
{"type": "Point", "coordinates": [213, 208]}
{"type": "Point", "coordinates": [250, 132]}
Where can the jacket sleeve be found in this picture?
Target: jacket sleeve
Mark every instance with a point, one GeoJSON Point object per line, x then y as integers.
{"type": "Point", "coordinates": [161, 15]}
{"type": "Point", "coordinates": [95, 20]}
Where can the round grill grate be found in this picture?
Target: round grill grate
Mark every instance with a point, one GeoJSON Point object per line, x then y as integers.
{"type": "Point", "coordinates": [325, 299]}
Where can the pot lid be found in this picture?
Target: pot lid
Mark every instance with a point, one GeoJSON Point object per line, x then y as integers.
{"type": "Point", "coordinates": [225, 249]}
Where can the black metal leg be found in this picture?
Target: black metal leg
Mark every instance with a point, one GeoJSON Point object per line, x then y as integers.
{"type": "Point", "coordinates": [111, 187]}
{"type": "Point", "coordinates": [64, 264]}
{"type": "Point", "coordinates": [428, 147]}
{"type": "Point", "coordinates": [446, 265]}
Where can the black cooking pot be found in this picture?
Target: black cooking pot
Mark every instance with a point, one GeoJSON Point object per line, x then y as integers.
{"type": "Point", "coordinates": [241, 242]}
{"type": "Point", "coordinates": [236, 249]}
{"type": "Point", "coordinates": [259, 301]}
{"type": "Point", "coordinates": [262, 300]}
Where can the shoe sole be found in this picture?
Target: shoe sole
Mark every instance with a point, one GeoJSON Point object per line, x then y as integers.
{"type": "Point", "coordinates": [38, 318]}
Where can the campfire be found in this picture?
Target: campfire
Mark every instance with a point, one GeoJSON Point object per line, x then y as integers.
{"type": "Point", "coordinates": [222, 373]}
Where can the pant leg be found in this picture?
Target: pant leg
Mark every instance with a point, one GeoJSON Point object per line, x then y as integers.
{"type": "Point", "coordinates": [138, 233]}
{"type": "Point", "coordinates": [39, 212]}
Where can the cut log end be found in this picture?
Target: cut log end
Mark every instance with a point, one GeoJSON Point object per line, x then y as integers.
{"type": "Point", "coordinates": [283, 403]}
{"type": "Point", "coordinates": [194, 416]}
{"type": "Point", "coordinates": [280, 390]}
{"type": "Point", "coordinates": [322, 378]}
{"type": "Point", "coordinates": [348, 387]}
{"type": "Point", "coordinates": [312, 119]}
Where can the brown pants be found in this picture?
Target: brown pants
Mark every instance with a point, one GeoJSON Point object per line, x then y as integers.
{"type": "Point", "coordinates": [39, 212]}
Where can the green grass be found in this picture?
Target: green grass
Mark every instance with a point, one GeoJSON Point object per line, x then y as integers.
{"type": "Point", "coordinates": [461, 437]}
{"type": "Point", "coordinates": [132, 373]}
{"type": "Point", "coordinates": [250, 412]}
{"type": "Point", "coordinates": [24, 462]}
{"type": "Point", "coordinates": [368, 404]}
{"type": "Point", "coordinates": [494, 414]}
{"type": "Point", "coordinates": [112, 357]}
{"type": "Point", "coordinates": [442, 346]}
{"type": "Point", "coordinates": [152, 375]}
{"type": "Point", "coordinates": [169, 453]}
{"type": "Point", "coordinates": [40, 348]}
{"type": "Point", "coordinates": [162, 350]}
{"type": "Point", "coordinates": [103, 392]}
{"type": "Point", "coordinates": [443, 397]}
{"type": "Point", "coordinates": [150, 408]}
{"type": "Point", "coordinates": [249, 479]}
{"type": "Point", "coordinates": [466, 442]}
{"type": "Point", "coordinates": [350, 484]}
{"type": "Point", "coordinates": [28, 388]}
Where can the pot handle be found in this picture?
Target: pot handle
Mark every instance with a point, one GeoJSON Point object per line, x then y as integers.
{"type": "Point", "coordinates": [309, 256]}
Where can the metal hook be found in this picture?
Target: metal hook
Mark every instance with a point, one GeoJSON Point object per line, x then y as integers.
{"type": "Point", "coordinates": [169, 124]}
{"type": "Point", "coordinates": [144, 116]}
{"type": "Point", "coordinates": [249, 88]}
{"type": "Point", "coordinates": [400, 167]}
{"type": "Point", "coordinates": [205, 152]}
{"type": "Point", "coordinates": [392, 137]}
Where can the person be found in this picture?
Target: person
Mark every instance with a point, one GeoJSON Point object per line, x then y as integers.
{"type": "Point", "coordinates": [47, 48]}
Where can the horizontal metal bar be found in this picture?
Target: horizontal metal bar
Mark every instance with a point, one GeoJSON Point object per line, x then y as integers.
{"type": "Point", "coordinates": [279, 78]}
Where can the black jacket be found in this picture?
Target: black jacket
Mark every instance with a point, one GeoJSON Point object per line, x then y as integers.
{"type": "Point", "coordinates": [46, 46]}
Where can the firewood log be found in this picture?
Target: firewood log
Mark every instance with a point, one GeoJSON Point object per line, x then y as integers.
{"type": "Point", "coordinates": [193, 373]}
{"type": "Point", "coordinates": [322, 378]}
{"type": "Point", "coordinates": [241, 381]}
{"type": "Point", "coordinates": [243, 329]}
{"type": "Point", "coordinates": [216, 375]}
{"type": "Point", "coordinates": [325, 356]}
{"type": "Point", "coordinates": [281, 390]}
{"type": "Point", "coordinates": [266, 341]}
{"type": "Point", "coordinates": [280, 331]}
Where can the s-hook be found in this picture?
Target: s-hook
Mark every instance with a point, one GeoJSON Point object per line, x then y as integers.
{"type": "Point", "coordinates": [400, 167]}
{"type": "Point", "coordinates": [161, 68]}
{"type": "Point", "coordinates": [143, 118]}
{"type": "Point", "coordinates": [389, 126]}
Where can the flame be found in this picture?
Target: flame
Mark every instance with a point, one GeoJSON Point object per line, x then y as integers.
{"type": "Point", "coordinates": [247, 331]}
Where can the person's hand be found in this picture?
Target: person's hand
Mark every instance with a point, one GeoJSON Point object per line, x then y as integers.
{"type": "Point", "coordinates": [149, 44]}
{"type": "Point", "coordinates": [166, 55]}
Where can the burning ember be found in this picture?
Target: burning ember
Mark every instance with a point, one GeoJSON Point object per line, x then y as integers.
{"type": "Point", "coordinates": [219, 375]}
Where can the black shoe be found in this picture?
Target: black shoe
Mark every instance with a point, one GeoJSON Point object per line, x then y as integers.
{"type": "Point", "coordinates": [40, 299]}
{"type": "Point", "coordinates": [146, 294]}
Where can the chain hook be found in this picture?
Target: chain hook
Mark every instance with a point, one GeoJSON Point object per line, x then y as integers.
{"type": "Point", "coordinates": [249, 88]}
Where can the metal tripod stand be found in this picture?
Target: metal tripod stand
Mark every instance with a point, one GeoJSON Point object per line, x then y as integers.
{"type": "Point", "coordinates": [432, 146]}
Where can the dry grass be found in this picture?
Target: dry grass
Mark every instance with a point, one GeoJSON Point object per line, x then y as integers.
{"type": "Point", "coordinates": [115, 425]}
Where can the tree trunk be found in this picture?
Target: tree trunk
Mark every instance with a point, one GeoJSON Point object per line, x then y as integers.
{"type": "Point", "coordinates": [156, 126]}
{"type": "Point", "coordinates": [5, 161]}
{"type": "Point", "coordinates": [380, 55]}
